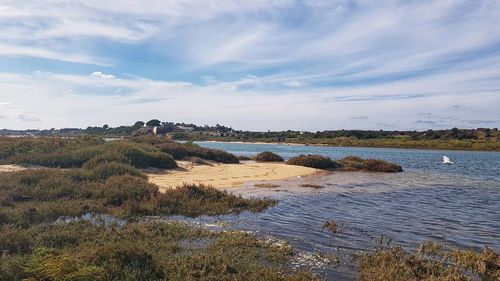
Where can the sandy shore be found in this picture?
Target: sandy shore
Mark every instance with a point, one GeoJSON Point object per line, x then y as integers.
{"type": "Point", "coordinates": [227, 175]}
{"type": "Point", "coordinates": [10, 168]}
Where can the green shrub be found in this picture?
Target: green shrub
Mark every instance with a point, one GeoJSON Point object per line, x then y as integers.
{"type": "Point", "coordinates": [128, 261]}
{"type": "Point", "coordinates": [80, 152]}
{"type": "Point", "coordinates": [104, 170]}
{"type": "Point", "coordinates": [108, 156]}
{"type": "Point", "coordinates": [313, 161]}
{"type": "Point", "coordinates": [141, 156]}
{"type": "Point", "coordinates": [119, 189]}
{"type": "Point", "coordinates": [144, 251]}
{"type": "Point", "coordinates": [180, 151]}
{"type": "Point", "coordinates": [50, 264]}
{"type": "Point", "coordinates": [268, 156]}
{"type": "Point", "coordinates": [353, 163]}
{"type": "Point", "coordinates": [194, 200]}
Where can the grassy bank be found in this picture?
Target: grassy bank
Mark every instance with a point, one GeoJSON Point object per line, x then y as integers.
{"type": "Point", "coordinates": [430, 262]}
{"type": "Point", "coordinates": [479, 145]}
{"type": "Point", "coordinates": [152, 251]}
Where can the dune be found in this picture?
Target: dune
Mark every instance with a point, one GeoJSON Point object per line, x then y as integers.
{"type": "Point", "coordinates": [226, 175]}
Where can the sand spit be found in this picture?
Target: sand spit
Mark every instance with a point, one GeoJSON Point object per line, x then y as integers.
{"type": "Point", "coordinates": [11, 168]}
{"type": "Point", "coordinates": [227, 175]}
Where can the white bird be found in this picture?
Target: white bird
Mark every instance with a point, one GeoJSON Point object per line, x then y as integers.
{"type": "Point", "coordinates": [446, 160]}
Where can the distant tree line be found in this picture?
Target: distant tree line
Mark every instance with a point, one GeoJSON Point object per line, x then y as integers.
{"type": "Point", "coordinates": [166, 127]}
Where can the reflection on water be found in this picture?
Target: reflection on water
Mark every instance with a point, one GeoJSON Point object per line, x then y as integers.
{"type": "Point", "coordinates": [457, 205]}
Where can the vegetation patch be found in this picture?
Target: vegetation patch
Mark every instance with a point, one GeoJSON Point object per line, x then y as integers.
{"type": "Point", "coordinates": [77, 152]}
{"type": "Point", "coordinates": [266, 185]}
{"type": "Point", "coordinates": [195, 200]}
{"type": "Point", "coordinates": [332, 226]}
{"type": "Point", "coordinates": [183, 150]}
{"type": "Point", "coordinates": [353, 163]}
{"type": "Point", "coordinates": [153, 251]}
{"type": "Point", "coordinates": [268, 156]}
{"type": "Point", "coordinates": [309, 185]}
{"type": "Point", "coordinates": [430, 262]}
{"type": "Point", "coordinates": [313, 161]}
{"type": "Point", "coordinates": [37, 196]}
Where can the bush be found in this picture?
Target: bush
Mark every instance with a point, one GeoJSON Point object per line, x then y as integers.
{"type": "Point", "coordinates": [129, 261]}
{"type": "Point", "coordinates": [313, 161]}
{"type": "Point", "coordinates": [194, 200]}
{"type": "Point", "coordinates": [353, 163]}
{"type": "Point", "coordinates": [142, 156]}
{"type": "Point", "coordinates": [105, 170]}
{"type": "Point", "coordinates": [119, 189]}
{"type": "Point", "coordinates": [180, 151]}
{"type": "Point", "coordinates": [268, 156]}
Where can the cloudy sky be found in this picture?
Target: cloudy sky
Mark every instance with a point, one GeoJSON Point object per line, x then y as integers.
{"type": "Point", "coordinates": [255, 64]}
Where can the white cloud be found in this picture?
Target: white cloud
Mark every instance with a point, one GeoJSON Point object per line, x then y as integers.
{"type": "Point", "coordinates": [101, 75]}
{"type": "Point", "coordinates": [77, 100]}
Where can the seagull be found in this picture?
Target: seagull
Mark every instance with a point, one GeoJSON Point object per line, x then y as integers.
{"type": "Point", "coordinates": [446, 160]}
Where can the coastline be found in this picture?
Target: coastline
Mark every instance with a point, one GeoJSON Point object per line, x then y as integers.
{"type": "Point", "coordinates": [350, 145]}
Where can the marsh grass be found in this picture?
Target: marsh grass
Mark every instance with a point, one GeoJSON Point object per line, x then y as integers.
{"type": "Point", "coordinates": [36, 196]}
{"type": "Point", "coordinates": [267, 185]}
{"type": "Point", "coordinates": [349, 163]}
{"type": "Point", "coordinates": [183, 150]}
{"type": "Point", "coordinates": [268, 156]}
{"type": "Point", "coordinates": [310, 185]}
{"type": "Point", "coordinates": [353, 163]}
{"type": "Point", "coordinates": [77, 152]}
{"type": "Point", "coordinates": [153, 251]}
{"type": "Point", "coordinates": [333, 226]}
{"type": "Point", "coordinates": [313, 161]}
{"type": "Point", "coordinates": [430, 262]}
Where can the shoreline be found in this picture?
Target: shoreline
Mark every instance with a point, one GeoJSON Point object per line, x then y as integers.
{"type": "Point", "coordinates": [224, 176]}
{"type": "Point", "coordinates": [346, 146]}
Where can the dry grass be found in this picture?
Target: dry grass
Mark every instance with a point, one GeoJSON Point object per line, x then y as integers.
{"type": "Point", "coordinates": [310, 185]}
{"type": "Point", "coordinates": [267, 185]}
{"type": "Point", "coordinates": [431, 262]}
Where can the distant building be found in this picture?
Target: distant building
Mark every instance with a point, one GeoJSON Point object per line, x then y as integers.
{"type": "Point", "coordinates": [187, 129]}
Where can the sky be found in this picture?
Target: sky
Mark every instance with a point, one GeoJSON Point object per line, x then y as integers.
{"type": "Point", "coordinates": [253, 65]}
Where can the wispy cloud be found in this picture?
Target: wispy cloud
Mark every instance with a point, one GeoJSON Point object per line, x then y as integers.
{"type": "Point", "coordinates": [272, 64]}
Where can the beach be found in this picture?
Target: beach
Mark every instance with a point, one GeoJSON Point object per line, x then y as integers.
{"type": "Point", "coordinates": [226, 175]}
{"type": "Point", "coordinates": [10, 168]}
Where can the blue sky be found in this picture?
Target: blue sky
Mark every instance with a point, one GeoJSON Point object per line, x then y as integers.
{"type": "Point", "coordinates": [257, 64]}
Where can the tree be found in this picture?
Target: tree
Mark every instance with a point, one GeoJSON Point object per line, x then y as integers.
{"type": "Point", "coordinates": [138, 124]}
{"type": "Point", "coordinates": [153, 123]}
{"type": "Point", "coordinates": [105, 127]}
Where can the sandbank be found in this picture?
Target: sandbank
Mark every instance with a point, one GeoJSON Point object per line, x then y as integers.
{"type": "Point", "coordinates": [226, 175]}
{"type": "Point", "coordinates": [10, 168]}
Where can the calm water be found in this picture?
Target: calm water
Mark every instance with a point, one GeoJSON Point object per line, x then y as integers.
{"type": "Point", "coordinates": [458, 205]}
